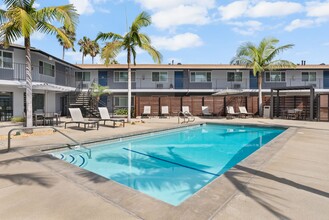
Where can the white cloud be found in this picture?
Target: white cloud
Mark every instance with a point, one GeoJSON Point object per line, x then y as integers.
{"type": "Point", "coordinates": [83, 6]}
{"type": "Point", "coordinates": [274, 9]}
{"type": "Point", "coordinates": [234, 10]}
{"type": "Point", "coordinates": [161, 4]}
{"type": "Point", "coordinates": [180, 15]}
{"type": "Point", "coordinates": [258, 9]}
{"type": "Point", "coordinates": [299, 23]}
{"type": "Point", "coordinates": [304, 23]}
{"type": "Point", "coordinates": [246, 27]}
{"type": "Point", "coordinates": [177, 42]}
{"type": "Point", "coordinates": [317, 9]}
{"type": "Point", "coordinates": [172, 13]}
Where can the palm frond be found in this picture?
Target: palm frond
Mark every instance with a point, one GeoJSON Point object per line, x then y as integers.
{"type": "Point", "coordinates": [156, 55]}
{"type": "Point", "coordinates": [3, 17]}
{"type": "Point", "coordinates": [65, 14]}
{"type": "Point", "coordinates": [280, 64]}
{"type": "Point", "coordinates": [108, 36]}
{"type": "Point", "coordinates": [110, 51]}
{"type": "Point", "coordinates": [48, 28]}
{"type": "Point", "coordinates": [22, 20]}
{"type": "Point", "coordinates": [9, 33]}
{"type": "Point", "coordinates": [277, 51]}
{"type": "Point", "coordinates": [142, 20]}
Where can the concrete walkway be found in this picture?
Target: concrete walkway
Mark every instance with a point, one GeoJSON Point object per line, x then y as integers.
{"type": "Point", "coordinates": [291, 183]}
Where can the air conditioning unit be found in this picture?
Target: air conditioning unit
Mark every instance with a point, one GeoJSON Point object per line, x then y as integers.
{"type": "Point", "coordinates": [237, 86]}
{"type": "Point", "coordinates": [159, 86]}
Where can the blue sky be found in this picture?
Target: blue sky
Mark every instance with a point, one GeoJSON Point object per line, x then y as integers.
{"type": "Point", "coordinates": [204, 31]}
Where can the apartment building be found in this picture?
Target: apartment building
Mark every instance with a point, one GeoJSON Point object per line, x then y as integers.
{"type": "Point", "coordinates": [55, 80]}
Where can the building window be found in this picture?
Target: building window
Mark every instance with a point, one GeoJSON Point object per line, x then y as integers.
{"type": "Point", "coordinates": [275, 76]}
{"type": "Point", "coordinates": [308, 76]}
{"type": "Point", "coordinates": [122, 101]}
{"type": "Point", "coordinates": [82, 76]}
{"type": "Point", "coordinates": [234, 77]}
{"type": "Point", "coordinates": [6, 59]}
{"type": "Point", "coordinates": [159, 76]}
{"type": "Point", "coordinates": [46, 69]}
{"type": "Point", "coordinates": [200, 76]}
{"type": "Point", "coordinates": [123, 76]}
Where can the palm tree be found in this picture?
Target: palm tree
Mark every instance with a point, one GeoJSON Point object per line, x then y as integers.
{"type": "Point", "coordinates": [22, 19]}
{"type": "Point", "coordinates": [98, 91]}
{"type": "Point", "coordinates": [261, 58]}
{"type": "Point", "coordinates": [94, 50]}
{"type": "Point", "coordinates": [129, 42]}
{"type": "Point", "coordinates": [71, 36]}
{"type": "Point", "coordinates": [84, 44]}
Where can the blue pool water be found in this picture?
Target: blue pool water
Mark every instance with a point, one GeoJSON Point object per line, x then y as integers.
{"type": "Point", "coordinates": [173, 165]}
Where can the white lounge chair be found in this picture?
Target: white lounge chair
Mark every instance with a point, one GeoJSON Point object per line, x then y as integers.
{"type": "Point", "coordinates": [77, 118]}
{"type": "Point", "coordinates": [244, 112]}
{"type": "Point", "coordinates": [230, 113]}
{"type": "Point", "coordinates": [164, 111]}
{"type": "Point", "coordinates": [146, 111]}
{"type": "Point", "coordinates": [205, 111]}
{"type": "Point", "coordinates": [105, 116]}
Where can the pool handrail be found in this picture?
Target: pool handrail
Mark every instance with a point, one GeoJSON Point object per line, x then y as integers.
{"type": "Point", "coordinates": [55, 130]}
{"type": "Point", "coordinates": [186, 115]}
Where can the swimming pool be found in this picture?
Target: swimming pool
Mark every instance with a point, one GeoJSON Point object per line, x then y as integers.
{"type": "Point", "coordinates": [173, 165]}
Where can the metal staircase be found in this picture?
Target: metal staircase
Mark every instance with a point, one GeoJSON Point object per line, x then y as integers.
{"type": "Point", "coordinates": [85, 101]}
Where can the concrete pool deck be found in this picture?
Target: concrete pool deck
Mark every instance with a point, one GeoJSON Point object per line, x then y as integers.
{"type": "Point", "coordinates": [289, 179]}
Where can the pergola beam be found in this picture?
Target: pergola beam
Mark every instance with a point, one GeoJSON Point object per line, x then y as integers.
{"type": "Point", "coordinates": [312, 93]}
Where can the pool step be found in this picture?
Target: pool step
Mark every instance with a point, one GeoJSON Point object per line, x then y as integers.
{"type": "Point", "coordinates": [80, 160]}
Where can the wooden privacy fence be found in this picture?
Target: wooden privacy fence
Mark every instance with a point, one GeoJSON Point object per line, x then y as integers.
{"type": "Point", "coordinates": [217, 104]}
{"type": "Point", "coordinates": [324, 107]}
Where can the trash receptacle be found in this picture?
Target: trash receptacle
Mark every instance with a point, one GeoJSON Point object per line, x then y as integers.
{"type": "Point", "coordinates": [267, 111]}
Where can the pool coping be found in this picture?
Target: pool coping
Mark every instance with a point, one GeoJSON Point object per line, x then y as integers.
{"type": "Point", "coordinates": [203, 204]}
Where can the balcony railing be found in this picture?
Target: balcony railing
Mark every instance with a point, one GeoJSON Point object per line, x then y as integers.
{"type": "Point", "coordinates": [19, 73]}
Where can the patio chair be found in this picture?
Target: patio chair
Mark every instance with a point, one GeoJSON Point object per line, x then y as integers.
{"type": "Point", "coordinates": [165, 111]}
{"type": "Point", "coordinates": [230, 113]}
{"type": "Point", "coordinates": [244, 112]}
{"type": "Point", "coordinates": [105, 116]}
{"type": "Point", "coordinates": [187, 114]}
{"type": "Point", "coordinates": [205, 111]}
{"type": "Point", "coordinates": [77, 118]}
{"type": "Point", "coordinates": [146, 111]}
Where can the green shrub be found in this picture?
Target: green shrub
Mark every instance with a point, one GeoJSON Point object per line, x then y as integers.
{"type": "Point", "coordinates": [17, 119]}
{"type": "Point", "coordinates": [121, 111]}
{"type": "Point", "coordinates": [124, 111]}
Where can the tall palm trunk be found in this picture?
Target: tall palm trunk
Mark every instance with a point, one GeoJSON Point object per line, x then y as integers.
{"type": "Point", "coordinates": [260, 97]}
{"type": "Point", "coordinates": [83, 57]}
{"type": "Point", "coordinates": [63, 53]}
{"type": "Point", "coordinates": [28, 78]}
{"type": "Point", "coordinates": [92, 60]}
{"type": "Point", "coordinates": [129, 87]}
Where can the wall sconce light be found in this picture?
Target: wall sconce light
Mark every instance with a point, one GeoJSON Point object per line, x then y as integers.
{"type": "Point", "coordinates": [50, 58]}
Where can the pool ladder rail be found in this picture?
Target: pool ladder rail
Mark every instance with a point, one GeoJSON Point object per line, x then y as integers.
{"type": "Point", "coordinates": [187, 117]}
{"type": "Point", "coordinates": [77, 147]}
